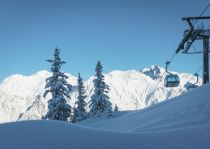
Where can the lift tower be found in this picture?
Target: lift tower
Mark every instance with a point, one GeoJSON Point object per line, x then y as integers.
{"type": "Point", "coordinates": [190, 36]}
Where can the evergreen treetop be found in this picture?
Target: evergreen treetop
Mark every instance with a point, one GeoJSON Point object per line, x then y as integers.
{"type": "Point", "coordinates": [80, 112]}
{"type": "Point", "coordinates": [100, 100]}
{"type": "Point", "coordinates": [58, 109]}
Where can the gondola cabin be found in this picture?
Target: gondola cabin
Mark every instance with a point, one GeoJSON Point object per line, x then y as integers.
{"type": "Point", "coordinates": [191, 86]}
{"type": "Point", "coordinates": [172, 80]}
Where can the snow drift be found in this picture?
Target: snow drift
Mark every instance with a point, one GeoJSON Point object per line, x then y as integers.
{"type": "Point", "coordinates": [181, 123]}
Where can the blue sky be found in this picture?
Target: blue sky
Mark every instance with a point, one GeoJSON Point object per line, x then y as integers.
{"type": "Point", "coordinates": [123, 34]}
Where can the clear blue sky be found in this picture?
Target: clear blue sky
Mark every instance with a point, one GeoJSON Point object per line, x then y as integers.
{"type": "Point", "coordinates": [123, 34]}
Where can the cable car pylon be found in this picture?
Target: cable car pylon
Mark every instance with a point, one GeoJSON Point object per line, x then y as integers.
{"type": "Point", "coordinates": [191, 35]}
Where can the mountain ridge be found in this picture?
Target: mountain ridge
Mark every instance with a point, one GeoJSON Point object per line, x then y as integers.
{"type": "Point", "coordinates": [21, 96]}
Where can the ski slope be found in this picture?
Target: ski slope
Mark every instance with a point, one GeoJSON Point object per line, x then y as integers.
{"type": "Point", "coordinates": [179, 123]}
{"type": "Point", "coordinates": [191, 108]}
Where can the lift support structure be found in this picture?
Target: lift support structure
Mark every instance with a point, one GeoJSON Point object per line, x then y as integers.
{"type": "Point", "coordinates": [190, 36]}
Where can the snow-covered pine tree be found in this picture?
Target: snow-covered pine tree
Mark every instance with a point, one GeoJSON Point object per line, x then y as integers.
{"type": "Point", "coordinates": [58, 109]}
{"type": "Point", "coordinates": [80, 112]}
{"type": "Point", "coordinates": [100, 100]}
{"type": "Point", "coordinates": [115, 108]}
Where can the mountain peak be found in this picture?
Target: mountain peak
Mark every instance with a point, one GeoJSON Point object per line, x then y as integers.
{"type": "Point", "coordinates": [153, 72]}
{"type": "Point", "coordinates": [154, 67]}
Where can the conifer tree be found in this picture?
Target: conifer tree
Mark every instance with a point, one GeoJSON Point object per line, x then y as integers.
{"type": "Point", "coordinates": [115, 108]}
{"type": "Point", "coordinates": [80, 112]}
{"type": "Point", "coordinates": [100, 100]}
{"type": "Point", "coordinates": [58, 109]}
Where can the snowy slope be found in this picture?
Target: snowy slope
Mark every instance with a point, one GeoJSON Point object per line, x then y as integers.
{"type": "Point", "coordinates": [181, 123]}
{"type": "Point", "coordinates": [21, 96]}
{"type": "Point", "coordinates": [190, 109]}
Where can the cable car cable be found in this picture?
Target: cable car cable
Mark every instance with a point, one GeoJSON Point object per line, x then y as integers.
{"type": "Point", "coordinates": [176, 53]}
{"type": "Point", "coordinates": [202, 13]}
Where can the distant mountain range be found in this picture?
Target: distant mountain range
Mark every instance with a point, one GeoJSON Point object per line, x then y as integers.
{"type": "Point", "coordinates": [21, 97]}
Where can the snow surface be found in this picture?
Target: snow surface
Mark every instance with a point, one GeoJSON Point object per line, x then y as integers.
{"type": "Point", "coordinates": [180, 123]}
{"type": "Point", "coordinates": [21, 97]}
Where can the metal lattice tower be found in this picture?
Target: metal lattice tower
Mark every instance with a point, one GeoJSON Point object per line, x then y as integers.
{"type": "Point", "coordinates": [190, 36]}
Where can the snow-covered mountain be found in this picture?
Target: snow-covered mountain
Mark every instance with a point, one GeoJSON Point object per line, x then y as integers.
{"type": "Point", "coordinates": [21, 97]}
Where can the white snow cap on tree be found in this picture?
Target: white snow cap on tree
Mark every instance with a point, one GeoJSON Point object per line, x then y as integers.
{"type": "Point", "coordinates": [100, 100]}
{"type": "Point", "coordinates": [58, 109]}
